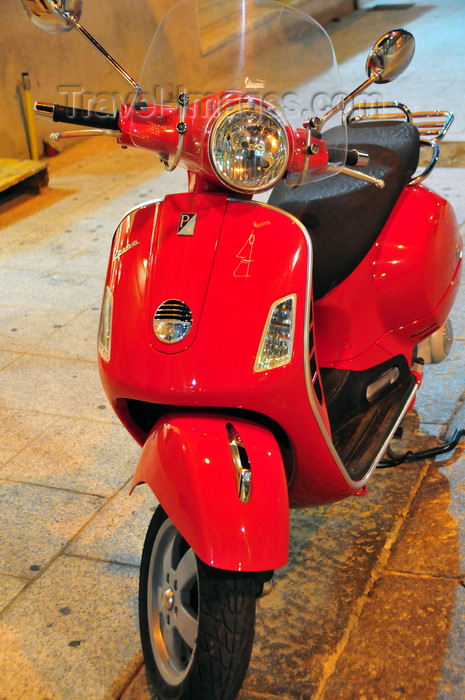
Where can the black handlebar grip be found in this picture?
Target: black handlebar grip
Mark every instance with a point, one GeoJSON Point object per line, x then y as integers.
{"type": "Point", "coordinates": [85, 117]}
{"type": "Point", "coordinates": [339, 155]}
{"type": "Point", "coordinates": [352, 157]}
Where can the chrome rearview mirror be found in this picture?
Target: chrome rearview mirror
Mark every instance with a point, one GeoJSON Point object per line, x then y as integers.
{"type": "Point", "coordinates": [54, 16]}
{"type": "Point", "coordinates": [390, 56]}
{"type": "Point", "coordinates": [59, 16]}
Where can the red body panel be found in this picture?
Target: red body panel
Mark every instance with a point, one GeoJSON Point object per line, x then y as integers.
{"type": "Point", "coordinates": [187, 463]}
{"type": "Point", "coordinates": [216, 370]}
{"type": "Point", "coordinates": [401, 292]}
{"type": "Point", "coordinates": [241, 258]}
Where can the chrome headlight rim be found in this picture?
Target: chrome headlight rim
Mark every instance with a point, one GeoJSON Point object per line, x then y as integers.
{"type": "Point", "coordinates": [258, 109]}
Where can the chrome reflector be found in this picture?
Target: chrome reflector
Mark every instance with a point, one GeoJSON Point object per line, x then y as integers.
{"type": "Point", "coordinates": [172, 321]}
{"type": "Point", "coordinates": [241, 464]}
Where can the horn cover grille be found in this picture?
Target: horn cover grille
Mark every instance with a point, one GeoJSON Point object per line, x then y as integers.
{"type": "Point", "coordinates": [172, 321]}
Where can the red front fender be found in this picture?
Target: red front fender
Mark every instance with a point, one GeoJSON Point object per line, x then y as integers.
{"type": "Point", "coordinates": [188, 462]}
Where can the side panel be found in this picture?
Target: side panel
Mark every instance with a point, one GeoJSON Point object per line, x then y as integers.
{"type": "Point", "coordinates": [409, 280]}
{"type": "Point", "coordinates": [187, 462]}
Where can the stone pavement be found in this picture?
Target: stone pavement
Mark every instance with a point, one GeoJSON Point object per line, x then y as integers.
{"type": "Point", "coordinates": [371, 604]}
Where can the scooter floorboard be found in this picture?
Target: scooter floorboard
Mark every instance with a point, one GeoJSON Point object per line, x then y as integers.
{"type": "Point", "coordinates": [360, 439]}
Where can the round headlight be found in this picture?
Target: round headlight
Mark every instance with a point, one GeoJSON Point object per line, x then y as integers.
{"type": "Point", "coordinates": [249, 148]}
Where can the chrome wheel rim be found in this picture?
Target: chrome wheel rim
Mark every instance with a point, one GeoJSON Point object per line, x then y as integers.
{"type": "Point", "coordinates": [172, 604]}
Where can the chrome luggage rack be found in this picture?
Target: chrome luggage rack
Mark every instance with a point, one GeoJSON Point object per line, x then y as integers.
{"type": "Point", "coordinates": [434, 125]}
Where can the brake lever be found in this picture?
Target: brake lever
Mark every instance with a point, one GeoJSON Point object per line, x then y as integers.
{"type": "Point", "coordinates": [362, 176]}
{"type": "Point", "coordinates": [83, 133]}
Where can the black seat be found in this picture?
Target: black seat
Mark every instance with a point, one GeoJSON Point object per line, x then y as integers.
{"type": "Point", "coordinates": [343, 215]}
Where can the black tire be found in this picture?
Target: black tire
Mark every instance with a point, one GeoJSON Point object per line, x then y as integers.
{"type": "Point", "coordinates": [196, 622]}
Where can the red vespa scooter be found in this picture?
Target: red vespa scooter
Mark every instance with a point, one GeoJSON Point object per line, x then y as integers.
{"type": "Point", "coordinates": [262, 354]}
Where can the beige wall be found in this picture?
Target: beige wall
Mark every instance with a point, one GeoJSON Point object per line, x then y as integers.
{"type": "Point", "coordinates": [65, 60]}
{"type": "Point", "coordinates": [322, 10]}
{"type": "Point", "coordinates": [60, 65]}
{"type": "Point", "coordinates": [326, 10]}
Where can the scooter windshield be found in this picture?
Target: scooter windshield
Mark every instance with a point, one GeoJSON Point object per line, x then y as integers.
{"type": "Point", "coordinates": [216, 67]}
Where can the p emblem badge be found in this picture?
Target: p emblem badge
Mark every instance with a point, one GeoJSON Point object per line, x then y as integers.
{"type": "Point", "coordinates": [186, 224]}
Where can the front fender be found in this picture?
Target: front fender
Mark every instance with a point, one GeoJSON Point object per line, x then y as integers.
{"type": "Point", "coordinates": [188, 462]}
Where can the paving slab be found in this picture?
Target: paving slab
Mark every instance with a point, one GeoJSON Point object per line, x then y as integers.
{"type": "Point", "coordinates": [55, 386]}
{"type": "Point", "coordinates": [453, 469]}
{"type": "Point", "coordinates": [118, 530]}
{"type": "Point", "coordinates": [49, 291]}
{"type": "Point", "coordinates": [10, 587]}
{"type": "Point", "coordinates": [83, 644]}
{"type": "Point", "coordinates": [44, 253]}
{"type": "Point", "coordinates": [18, 428]}
{"type": "Point", "coordinates": [451, 685]}
{"type": "Point", "coordinates": [74, 454]}
{"type": "Point", "coordinates": [7, 358]}
{"type": "Point", "coordinates": [413, 620]}
{"type": "Point", "coordinates": [21, 328]}
{"type": "Point", "coordinates": [36, 524]}
{"type": "Point", "coordinates": [437, 405]}
{"type": "Point", "coordinates": [404, 624]}
{"type": "Point", "coordinates": [429, 542]}
{"type": "Point", "coordinates": [74, 339]}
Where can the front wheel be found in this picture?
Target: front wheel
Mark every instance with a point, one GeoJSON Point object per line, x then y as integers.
{"type": "Point", "coordinates": [196, 622]}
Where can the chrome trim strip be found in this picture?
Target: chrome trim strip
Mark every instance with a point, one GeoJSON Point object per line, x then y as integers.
{"type": "Point", "coordinates": [390, 436]}
{"type": "Point", "coordinates": [139, 206]}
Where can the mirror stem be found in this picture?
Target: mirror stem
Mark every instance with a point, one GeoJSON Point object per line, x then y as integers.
{"type": "Point", "coordinates": [345, 101]}
{"type": "Point", "coordinates": [137, 88]}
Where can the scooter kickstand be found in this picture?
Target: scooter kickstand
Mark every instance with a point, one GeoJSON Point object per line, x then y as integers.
{"type": "Point", "coordinates": [410, 456]}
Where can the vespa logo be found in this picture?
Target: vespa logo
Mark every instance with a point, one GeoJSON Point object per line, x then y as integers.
{"type": "Point", "coordinates": [118, 253]}
{"type": "Point", "coordinates": [187, 224]}
{"type": "Point", "coordinates": [254, 84]}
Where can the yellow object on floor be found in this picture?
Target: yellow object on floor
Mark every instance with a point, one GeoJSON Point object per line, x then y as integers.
{"type": "Point", "coordinates": [31, 172]}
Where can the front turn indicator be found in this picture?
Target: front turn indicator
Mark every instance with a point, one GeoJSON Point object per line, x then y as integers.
{"type": "Point", "coordinates": [104, 333]}
{"type": "Point", "coordinates": [275, 349]}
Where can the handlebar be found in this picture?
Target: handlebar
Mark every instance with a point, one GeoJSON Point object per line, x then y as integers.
{"type": "Point", "coordinates": [351, 157]}
{"type": "Point", "coordinates": [80, 117]}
